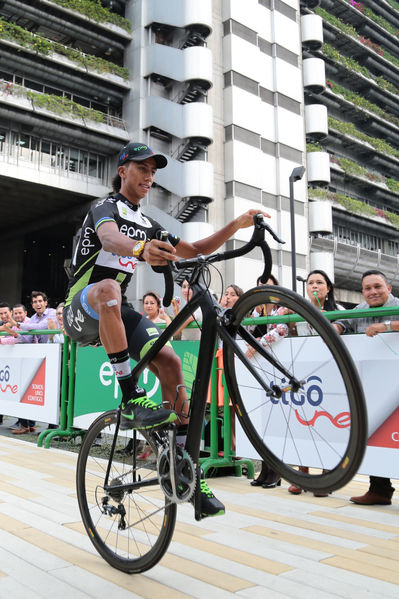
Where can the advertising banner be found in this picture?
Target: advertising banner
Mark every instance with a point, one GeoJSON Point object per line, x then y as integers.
{"type": "Point", "coordinates": [30, 381]}
{"type": "Point", "coordinates": [97, 389]}
{"type": "Point", "coordinates": [377, 359]}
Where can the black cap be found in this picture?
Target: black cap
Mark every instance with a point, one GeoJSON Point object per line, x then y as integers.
{"type": "Point", "coordinates": [137, 152]}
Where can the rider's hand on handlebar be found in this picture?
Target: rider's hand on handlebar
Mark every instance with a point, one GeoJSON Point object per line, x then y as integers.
{"type": "Point", "coordinates": [157, 253]}
{"type": "Point", "coordinates": [247, 219]}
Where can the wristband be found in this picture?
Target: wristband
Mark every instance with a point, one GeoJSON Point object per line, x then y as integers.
{"type": "Point", "coordinates": [388, 325]}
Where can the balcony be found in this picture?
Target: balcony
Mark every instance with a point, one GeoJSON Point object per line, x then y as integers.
{"type": "Point", "coordinates": [193, 179]}
{"type": "Point", "coordinates": [318, 168]}
{"type": "Point", "coordinates": [312, 32]}
{"type": "Point", "coordinates": [184, 121]}
{"type": "Point", "coordinates": [314, 76]}
{"type": "Point", "coordinates": [180, 14]}
{"type": "Point", "coordinates": [65, 24]}
{"type": "Point", "coordinates": [316, 121]}
{"type": "Point", "coordinates": [43, 118]}
{"type": "Point", "coordinates": [191, 64]}
{"type": "Point", "coordinates": [351, 261]}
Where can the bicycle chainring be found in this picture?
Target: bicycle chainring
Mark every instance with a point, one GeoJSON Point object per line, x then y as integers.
{"type": "Point", "coordinates": [176, 474]}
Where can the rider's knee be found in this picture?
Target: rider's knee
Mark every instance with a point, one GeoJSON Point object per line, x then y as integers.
{"type": "Point", "coordinates": [107, 295]}
{"type": "Point", "coordinates": [108, 290]}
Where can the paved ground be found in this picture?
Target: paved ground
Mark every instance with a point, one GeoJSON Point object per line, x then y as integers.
{"type": "Point", "coordinates": [269, 545]}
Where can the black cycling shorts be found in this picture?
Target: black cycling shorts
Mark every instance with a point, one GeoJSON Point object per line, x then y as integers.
{"type": "Point", "coordinates": [81, 324]}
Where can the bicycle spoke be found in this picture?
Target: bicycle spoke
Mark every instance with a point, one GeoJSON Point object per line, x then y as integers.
{"type": "Point", "coordinates": [130, 523]}
{"type": "Point", "coordinates": [305, 405]}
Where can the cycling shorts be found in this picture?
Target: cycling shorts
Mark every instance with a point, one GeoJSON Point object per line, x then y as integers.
{"type": "Point", "coordinates": [81, 324]}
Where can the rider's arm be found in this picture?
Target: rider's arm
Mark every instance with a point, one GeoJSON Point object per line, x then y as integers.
{"type": "Point", "coordinates": [112, 240]}
{"type": "Point", "coordinates": [213, 242]}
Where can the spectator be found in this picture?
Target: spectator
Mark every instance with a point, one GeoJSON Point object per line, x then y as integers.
{"type": "Point", "coordinates": [377, 294]}
{"type": "Point", "coordinates": [8, 325]}
{"type": "Point", "coordinates": [58, 337]}
{"type": "Point", "coordinates": [320, 290]}
{"type": "Point", "coordinates": [192, 334]}
{"type": "Point", "coordinates": [39, 320]}
{"type": "Point", "coordinates": [231, 295]}
{"type": "Point", "coordinates": [267, 478]}
{"type": "Point", "coordinates": [154, 310]}
{"type": "Point", "coordinates": [4, 308]}
{"type": "Point", "coordinates": [19, 315]}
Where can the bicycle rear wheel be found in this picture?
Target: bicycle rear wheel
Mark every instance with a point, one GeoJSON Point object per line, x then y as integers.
{"type": "Point", "coordinates": [318, 421]}
{"type": "Point", "coordinates": [131, 526]}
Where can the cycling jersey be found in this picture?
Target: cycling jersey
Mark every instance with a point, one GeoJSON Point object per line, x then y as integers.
{"type": "Point", "coordinates": [91, 263]}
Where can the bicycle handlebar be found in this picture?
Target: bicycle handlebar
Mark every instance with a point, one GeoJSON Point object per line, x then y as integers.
{"type": "Point", "coordinates": [257, 240]}
{"type": "Point", "coordinates": [167, 273]}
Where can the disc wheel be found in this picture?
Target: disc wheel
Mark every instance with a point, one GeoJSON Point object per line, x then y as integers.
{"type": "Point", "coordinates": [129, 521]}
{"type": "Point", "coordinates": [298, 399]}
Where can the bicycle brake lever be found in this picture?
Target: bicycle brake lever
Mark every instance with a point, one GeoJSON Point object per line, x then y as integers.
{"type": "Point", "coordinates": [273, 234]}
{"type": "Point", "coordinates": [167, 273]}
{"type": "Point", "coordinates": [260, 223]}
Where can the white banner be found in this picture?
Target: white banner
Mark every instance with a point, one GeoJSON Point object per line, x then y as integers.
{"type": "Point", "coordinates": [377, 360]}
{"type": "Point", "coordinates": [30, 381]}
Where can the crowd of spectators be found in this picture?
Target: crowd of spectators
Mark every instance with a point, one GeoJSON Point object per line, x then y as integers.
{"type": "Point", "coordinates": [14, 320]}
{"type": "Point", "coordinates": [376, 292]}
{"type": "Point", "coordinates": [375, 289]}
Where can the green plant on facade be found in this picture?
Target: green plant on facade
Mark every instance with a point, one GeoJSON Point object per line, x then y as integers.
{"type": "Point", "coordinates": [354, 206]}
{"type": "Point", "coordinates": [361, 102]}
{"type": "Point", "coordinates": [93, 9]}
{"type": "Point", "coordinates": [392, 184]}
{"type": "Point", "coordinates": [351, 65]}
{"type": "Point", "coordinates": [348, 128]}
{"type": "Point", "coordinates": [351, 31]}
{"type": "Point", "coordinates": [353, 168]}
{"type": "Point", "coordinates": [365, 10]}
{"type": "Point", "coordinates": [56, 104]}
{"type": "Point", "coordinates": [394, 4]}
{"type": "Point", "coordinates": [42, 45]}
{"type": "Point", "coordinates": [313, 147]}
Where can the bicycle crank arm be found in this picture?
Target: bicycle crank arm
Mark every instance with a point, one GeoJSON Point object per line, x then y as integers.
{"type": "Point", "coordinates": [172, 453]}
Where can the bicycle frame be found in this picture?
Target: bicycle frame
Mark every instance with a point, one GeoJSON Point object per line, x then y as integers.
{"type": "Point", "coordinates": [213, 325]}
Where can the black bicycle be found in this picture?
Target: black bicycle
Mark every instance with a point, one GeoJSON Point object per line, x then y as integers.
{"type": "Point", "coordinates": [299, 401]}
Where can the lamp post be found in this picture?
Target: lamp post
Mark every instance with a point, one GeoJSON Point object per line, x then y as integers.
{"type": "Point", "coordinates": [296, 175]}
{"type": "Point", "coordinates": [303, 281]}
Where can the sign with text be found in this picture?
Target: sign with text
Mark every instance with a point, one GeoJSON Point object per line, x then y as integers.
{"type": "Point", "coordinates": [377, 359]}
{"type": "Point", "coordinates": [97, 389]}
{"type": "Point", "coordinates": [30, 381]}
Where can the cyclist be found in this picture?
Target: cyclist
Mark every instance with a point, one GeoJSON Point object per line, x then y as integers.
{"type": "Point", "coordinates": [116, 235]}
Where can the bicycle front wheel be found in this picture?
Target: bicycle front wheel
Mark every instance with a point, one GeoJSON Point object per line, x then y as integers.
{"type": "Point", "coordinates": [297, 392]}
{"type": "Point", "coordinates": [129, 521]}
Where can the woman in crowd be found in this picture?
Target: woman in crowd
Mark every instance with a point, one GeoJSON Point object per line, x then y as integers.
{"type": "Point", "coordinates": [192, 334]}
{"type": "Point", "coordinates": [320, 291]}
{"type": "Point", "coordinates": [153, 309]}
{"type": "Point", "coordinates": [231, 295]}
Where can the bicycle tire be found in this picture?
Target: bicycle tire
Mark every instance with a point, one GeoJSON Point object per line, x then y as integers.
{"type": "Point", "coordinates": [290, 431]}
{"type": "Point", "coordinates": [149, 518]}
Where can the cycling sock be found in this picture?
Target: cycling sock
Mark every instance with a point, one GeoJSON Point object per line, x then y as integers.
{"type": "Point", "coordinates": [181, 435]}
{"type": "Point", "coordinates": [120, 362]}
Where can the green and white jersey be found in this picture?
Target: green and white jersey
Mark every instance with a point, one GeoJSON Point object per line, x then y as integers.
{"type": "Point", "coordinates": [91, 263]}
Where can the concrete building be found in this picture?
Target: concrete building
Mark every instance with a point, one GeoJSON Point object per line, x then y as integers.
{"type": "Point", "coordinates": [237, 94]}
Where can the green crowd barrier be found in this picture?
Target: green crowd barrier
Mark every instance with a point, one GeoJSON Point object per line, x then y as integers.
{"type": "Point", "coordinates": [217, 458]}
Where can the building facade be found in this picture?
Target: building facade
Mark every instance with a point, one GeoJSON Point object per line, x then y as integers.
{"type": "Point", "coordinates": [237, 95]}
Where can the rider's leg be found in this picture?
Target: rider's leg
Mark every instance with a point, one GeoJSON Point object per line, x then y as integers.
{"type": "Point", "coordinates": [105, 299]}
{"type": "Point", "coordinates": [167, 367]}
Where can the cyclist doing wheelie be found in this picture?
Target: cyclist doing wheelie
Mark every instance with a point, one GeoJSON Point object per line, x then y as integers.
{"type": "Point", "coordinates": [115, 236]}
